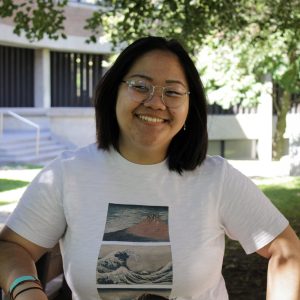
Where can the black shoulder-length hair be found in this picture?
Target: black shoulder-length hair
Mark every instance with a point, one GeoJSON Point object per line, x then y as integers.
{"type": "Point", "coordinates": [188, 148]}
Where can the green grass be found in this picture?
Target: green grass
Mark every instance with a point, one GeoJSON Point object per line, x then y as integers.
{"type": "Point", "coordinates": [19, 166]}
{"type": "Point", "coordinates": [285, 195]}
{"type": "Point", "coordinates": [9, 184]}
{"type": "Point", "coordinates": [3, 202]}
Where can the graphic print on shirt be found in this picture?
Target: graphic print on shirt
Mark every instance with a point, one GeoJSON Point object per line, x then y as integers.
{"type": "Point", "coordinates": [135, 257]}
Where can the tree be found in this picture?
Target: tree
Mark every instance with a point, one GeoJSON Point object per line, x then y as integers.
{"type": "Point", "coordinates": [36, 18]}
{"type": "Point", "coordinates": [271, 46]}
{"type": "Point", "coordinates": [263, 34]}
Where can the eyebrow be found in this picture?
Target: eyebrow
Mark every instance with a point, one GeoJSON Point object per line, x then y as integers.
{"type": "Point", "coordinates": [151, 79]}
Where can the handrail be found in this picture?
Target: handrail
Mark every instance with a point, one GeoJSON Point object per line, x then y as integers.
{"type": "Point", "coordinates": [24, 120]}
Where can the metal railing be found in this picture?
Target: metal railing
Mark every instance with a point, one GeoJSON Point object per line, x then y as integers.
{"type": "Point", "coordinates": [24, 120]}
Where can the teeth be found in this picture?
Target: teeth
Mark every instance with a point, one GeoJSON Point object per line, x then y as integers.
{"type": "Point", "coordinates": [150, 119]}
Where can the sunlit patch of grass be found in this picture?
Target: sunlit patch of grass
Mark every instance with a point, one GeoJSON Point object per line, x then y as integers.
{"type": "Point", "coordinates": [9, 184]}
{"type": "Point", "coordinates": [285, 195]}
{"type": "Point", "coordinates": [19, 166]}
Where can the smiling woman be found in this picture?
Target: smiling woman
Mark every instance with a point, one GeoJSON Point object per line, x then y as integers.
{"type": "Point", "coordinates": [143, 212]}
{"type": "Point", "coordinates": [147, 124]}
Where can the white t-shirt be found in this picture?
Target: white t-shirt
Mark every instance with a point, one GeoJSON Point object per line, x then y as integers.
{"type": "Point", "coordinates": [128, 229]}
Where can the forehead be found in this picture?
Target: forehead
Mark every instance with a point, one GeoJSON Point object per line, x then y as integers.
{"type": "Point", "coordinates": [159, 65]}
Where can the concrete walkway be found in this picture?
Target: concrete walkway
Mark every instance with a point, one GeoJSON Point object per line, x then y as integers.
{"type": "Point", "coordinates": [256, 168]}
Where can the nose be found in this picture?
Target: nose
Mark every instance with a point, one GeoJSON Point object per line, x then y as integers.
{"type": "Point", "coordinates": [155, 100]}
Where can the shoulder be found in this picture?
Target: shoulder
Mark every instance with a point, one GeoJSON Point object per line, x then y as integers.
{"type": "Point", "coordinates": [213, 165]}
{"type": "Point", "coordinates": [220, 165]}
{"type": "Point", "coordinates": [87, 155]}
{"type": "Point", "coordinates": [86, 152]}
{"type": "Point", "coordinates": [212, 172]}
{"type": "Point", "coordinates": [214, 161]}
{"type": "Point", "coordinates": [217, 171]}
{"type": "Point", "coordinates": [81, 159]}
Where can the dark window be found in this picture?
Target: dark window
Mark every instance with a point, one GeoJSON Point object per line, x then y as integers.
{"type": "Point", "coordinates": [73, 78]}
{"type": "Point", "coordinates": [216, 109]}
{"type": "Point", "coordinates": [16, 77]}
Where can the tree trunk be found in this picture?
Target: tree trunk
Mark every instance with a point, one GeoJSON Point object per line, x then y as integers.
{"type": "Point", "coordinates": [282, 111]}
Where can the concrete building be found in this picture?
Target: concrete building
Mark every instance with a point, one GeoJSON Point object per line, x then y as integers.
{"type": "Point", "coordinates": [50, 83]}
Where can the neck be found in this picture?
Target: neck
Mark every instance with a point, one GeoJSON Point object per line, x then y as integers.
{"type": "Point", "coordinates": [143, 156]}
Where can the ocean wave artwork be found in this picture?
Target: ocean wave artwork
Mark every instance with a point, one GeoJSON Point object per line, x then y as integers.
{"type": "Point", "coordinates": [135, 257]}
{"type": "Point", "coordinates": [134, 294]}
{"type": "Point", "coordinates": [128, 267]}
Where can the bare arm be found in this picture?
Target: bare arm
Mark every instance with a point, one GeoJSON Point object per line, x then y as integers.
{"type": "Point", "coordinates": [284, 266]}
{"type": "Point", "coordinates": [17, 258]}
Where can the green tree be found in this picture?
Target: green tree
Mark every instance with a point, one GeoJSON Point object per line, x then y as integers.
{"type": "Point", "coordinates": [262, 34]}
{"type": "Point", "coordinates": [276, 53]}
{"type": "Point", "coordinates": [37, 18]}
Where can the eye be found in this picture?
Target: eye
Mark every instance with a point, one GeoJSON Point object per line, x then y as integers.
{"type": "Point", "coordinates": [139, 86]}
{"type": "Point", "coordinates": [171, 92]}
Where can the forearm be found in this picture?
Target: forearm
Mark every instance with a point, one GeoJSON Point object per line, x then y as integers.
{"type": "Point", "coordinates": [15, 261]}
{"type": "Point", "coordinates": [284, 278]}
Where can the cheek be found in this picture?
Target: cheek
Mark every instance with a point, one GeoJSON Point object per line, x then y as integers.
{"type": "Point", "coordinates": [180, 114]}
{"type": "Point", "coordinates": [118, 109]}
{"type": "Point", "coordinates": [125, 108]}
{"type": "Point", "coordinates": [121, 106]}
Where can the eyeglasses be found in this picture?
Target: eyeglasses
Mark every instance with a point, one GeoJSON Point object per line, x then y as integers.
{"type": "Point", "coordinates": [141, 91]}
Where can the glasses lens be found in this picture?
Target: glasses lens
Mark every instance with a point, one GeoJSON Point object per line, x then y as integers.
{"type": "Point", "coordinates": [139, 90]}
{"type": "Point", "coordinates": [174, 96]}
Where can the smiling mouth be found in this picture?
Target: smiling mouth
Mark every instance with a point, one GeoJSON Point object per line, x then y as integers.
{"type": "Point", "coordinates": [150, 119]}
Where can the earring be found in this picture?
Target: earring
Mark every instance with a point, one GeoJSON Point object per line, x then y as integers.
{"type": "Point", "coordinates": [184, 127]}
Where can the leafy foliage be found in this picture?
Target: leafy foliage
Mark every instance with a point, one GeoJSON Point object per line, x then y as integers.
{"type": "Point", "coordinates": [247, 39]}
{"type": "Point", "coordinates": [36, 18]}
{"type": "Point", "coordinates": [188, 21]}
{"type": "Point", "coordinates": [240, 41]}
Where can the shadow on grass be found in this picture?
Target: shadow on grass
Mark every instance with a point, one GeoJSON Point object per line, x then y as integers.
{"type": "Point", "coordinates": [10, 184]}
{"type": "Point", "coordinates": [246, 275]}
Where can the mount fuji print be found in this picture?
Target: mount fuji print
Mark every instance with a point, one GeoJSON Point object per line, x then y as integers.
{"type": "Point", "coordinates": [135, 257]}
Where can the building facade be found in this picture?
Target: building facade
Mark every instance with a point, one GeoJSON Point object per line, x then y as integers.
{"type": "Point", "coordinates": [52, 82]}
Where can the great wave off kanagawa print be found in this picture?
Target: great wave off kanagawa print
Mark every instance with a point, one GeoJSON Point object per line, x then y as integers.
{"type": "Point", "coordinates": [135, 256]}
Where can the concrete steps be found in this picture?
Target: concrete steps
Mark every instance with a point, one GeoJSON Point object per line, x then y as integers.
{"type": "Point", "coordinates": [20, 147]}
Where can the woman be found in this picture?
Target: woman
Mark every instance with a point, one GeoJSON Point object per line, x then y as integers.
{"type": "Point", "coordinates": [145, 211]}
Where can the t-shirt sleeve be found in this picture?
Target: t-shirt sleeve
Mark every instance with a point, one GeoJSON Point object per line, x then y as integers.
{"type": "Point", "coordinates": [247, 215]}
{"type": "Point", "coordinates": [39, 216]}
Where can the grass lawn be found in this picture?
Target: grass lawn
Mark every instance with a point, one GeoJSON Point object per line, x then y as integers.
{"type": "Point", "coordinates": [11, 190]}
{"type": "Point", "coordinates": [19, 166]}
{"type": "Point", "coordinates": [284, 192]}
{"type": "Point", "coordinates": [14, 179]}
{"type": "Point", "coordinates": [9, 184]}
{"type": "Point", "coordinates": [286, 196]}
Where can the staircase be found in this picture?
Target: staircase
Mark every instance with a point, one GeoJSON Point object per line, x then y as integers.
{"type": "Point", "coordinates": [20, 147]}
